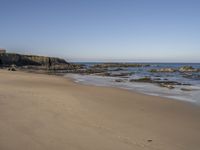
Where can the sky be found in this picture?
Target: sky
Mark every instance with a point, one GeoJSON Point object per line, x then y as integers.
{"type": "Point", "coordinates": [103, 30]}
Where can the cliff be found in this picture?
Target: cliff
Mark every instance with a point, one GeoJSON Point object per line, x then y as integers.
{"type": "Point", "coordinates": [8, 59]}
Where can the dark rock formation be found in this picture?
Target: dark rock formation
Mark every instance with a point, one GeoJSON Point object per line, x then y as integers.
{"type": "Point", "coordinates": [12, 68]}
{"type": "Point", "coordinates": [8, 59]}
{"type": "Point", "coordinates": [119, 80]}
{"type": "Point", "coordinates": [119, 74]}
{"type": "Point", "coordinates": [145, 79]}
{"type": "Point", "coordinates": [118, 65]}
{"type": "Point", "coordinates": [36, 62]}
{"type": "Point", "coordinates": [161, 83]}
{"type": "Point", "coordinates": [97, 71]}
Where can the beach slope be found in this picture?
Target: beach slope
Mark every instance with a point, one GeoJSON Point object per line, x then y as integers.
{"type": "Point", "coordinates": [43, 112]}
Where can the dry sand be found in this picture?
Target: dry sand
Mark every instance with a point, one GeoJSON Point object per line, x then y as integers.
{"type": "Point", "coordinates": [42, 112]}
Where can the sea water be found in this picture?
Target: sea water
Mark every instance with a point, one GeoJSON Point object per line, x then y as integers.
{"type": "Point", "coordinates": [192, 95]}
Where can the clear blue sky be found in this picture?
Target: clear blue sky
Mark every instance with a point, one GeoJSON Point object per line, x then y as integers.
{"type": "Point", "coordinates": [103, 30]}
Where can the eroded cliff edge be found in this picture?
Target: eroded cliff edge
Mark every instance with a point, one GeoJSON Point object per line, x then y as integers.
{"type": "Point", "coordinates": [34, 61]}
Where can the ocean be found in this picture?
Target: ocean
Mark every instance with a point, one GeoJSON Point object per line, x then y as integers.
{"type": "Point", "coordinates": [189, 80]}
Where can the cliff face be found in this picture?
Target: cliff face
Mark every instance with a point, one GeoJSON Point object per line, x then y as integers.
{"type": "Point", "coordinates": [26, 60]}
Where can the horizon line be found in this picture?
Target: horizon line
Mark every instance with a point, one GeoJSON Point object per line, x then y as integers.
{"type": "Point", "coordinates": [129, 61]}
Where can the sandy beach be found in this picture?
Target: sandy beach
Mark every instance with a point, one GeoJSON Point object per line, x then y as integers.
{"type": "Point", "coordinates": [46, 112]}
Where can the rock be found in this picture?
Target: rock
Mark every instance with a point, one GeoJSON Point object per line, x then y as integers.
{"type": "Point", "coordinates": [169, 86]}
{"type": "Point", "coordinates": [33, 61]}
{"type": "Point", "coordinates": [188, 69]}
{"type": "Point", "coordinates": [161, 83]}
{"type": "Point", "coordinates": [157, 79]}
{"type": "Point", "coordinates": [65, 67]}
{"type": "Point", "coordinates": [163, 70]}
{"type": "Point", "coordinates": [24, 60]}
{"type": "Point", "coordinates": [12, 68]}
{"type": "Point", "coordinates": [102, 74]}
{"type": "Point", "coordinates": [153, 70]}
{"type": "Point", "coordinates": [108, 74]}
{"type": "Point", "coordinates": [119, 74]}
{"type": "Point", "coordinates": [96, 71]}
{"type": "Point", "coordinates": [186, 89]}
{"type": "Point", "coordinates": [167, 82]}
{"type": "Point", "coordinates": [117, 69]}
{"type": "Point", "coordinates": [149, 140]}
{"type": "Point", "coordinates": [167, 70]}
{"type": "Point", "coordinates": [158, 76]}
{"type": "Point", "coordinates": [145, 79]}
{"type": "Point", "coordinates": [119, 80]}
{"type": "Point", "coordinates": [112, 65]}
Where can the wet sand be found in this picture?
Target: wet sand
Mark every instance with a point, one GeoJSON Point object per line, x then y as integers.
{"type": "Point", "coordinates": [43, 112]}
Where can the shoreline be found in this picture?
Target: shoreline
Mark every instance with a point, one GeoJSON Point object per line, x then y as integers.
{"type": "Point", "coordinates": [133, 89]}
{"type": "Point", "coordinates": [39, 111]}
{"type": "Point", "coordinates": [73, 80]}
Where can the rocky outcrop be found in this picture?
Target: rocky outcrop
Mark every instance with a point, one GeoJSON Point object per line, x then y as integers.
{"type": "Point", "coordinates": [33, 62]}
{"type": "Point", "coordinates": [166, 85]}
{"type": "Point", "coordinates": [119, 80]}
{"type": "Point", "coordinates": [170, 70]}
{"type": "Point", "coordinates": [161, 83]}
{"type": "Point", "coordinates": [188, 69]}
{"type": "Point", "coordinates": [144, 79]}
{"type": "Point", "coordinates": [8, 59]}
{"type": "Point", "coordinates": [163, 70]}
{"type": "Point", "coordinates": [118, 65]}
{"type": "Point", "coordinates": [12, 68]}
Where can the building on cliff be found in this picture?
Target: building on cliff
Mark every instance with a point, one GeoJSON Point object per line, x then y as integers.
{"type": "Point", "coordinates": [2, 51]}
